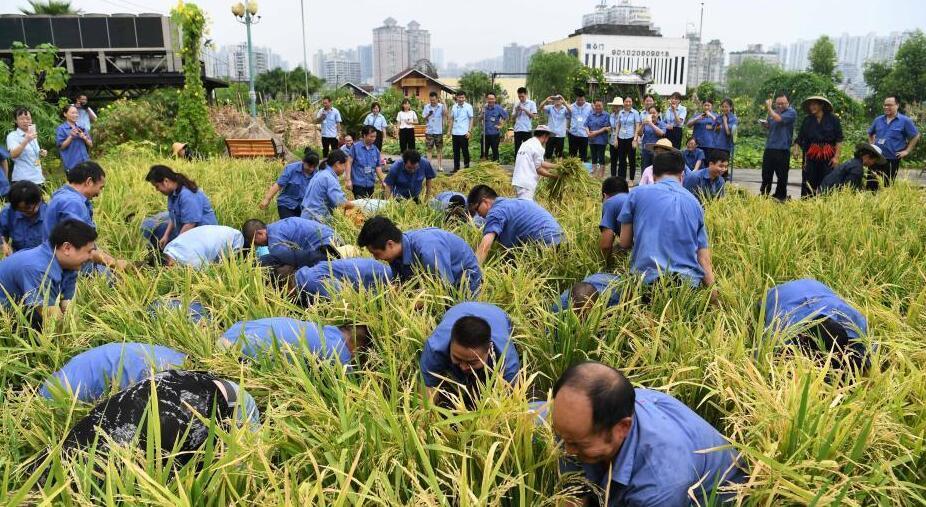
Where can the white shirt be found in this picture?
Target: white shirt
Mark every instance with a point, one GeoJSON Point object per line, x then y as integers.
{"type": "Point", "coordinates": [529, 158]}
{"type": "Point", "coordinates": [28, 165]}
{"type": "Point", "coordinates": [405, 119]}
{"type": "Point", "coordinates": [204, 244]}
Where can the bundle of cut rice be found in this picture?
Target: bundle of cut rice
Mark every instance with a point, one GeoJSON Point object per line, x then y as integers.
{"type": "Point", "coordinates": [573, 180]}
{"type": "Point", "coordinates": [483, 173]}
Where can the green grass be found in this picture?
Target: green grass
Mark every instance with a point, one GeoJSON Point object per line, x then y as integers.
{"type": "Point", "coordinates": [331, 437]}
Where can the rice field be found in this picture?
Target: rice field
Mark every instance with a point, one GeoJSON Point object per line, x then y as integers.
{"type": "Point", "coordinates": [369, 437]}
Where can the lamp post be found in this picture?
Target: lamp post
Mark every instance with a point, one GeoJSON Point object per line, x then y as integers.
{"type": "Point", "coordinates": [246, 13]}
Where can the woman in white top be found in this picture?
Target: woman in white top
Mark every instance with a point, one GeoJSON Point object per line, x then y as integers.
{"type": "Point", "coordinates": [23, 145]}
{"type": "Point", "coordinates": [407, 119]}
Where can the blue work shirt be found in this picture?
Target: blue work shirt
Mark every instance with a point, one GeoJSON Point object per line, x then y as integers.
{"type": "Point", "coordinates": [297, 233]}
{"type": "Point", "coordinates": [625, 122]}
{"type": "Point", "coordinates": [460, 117]}
{"type": "Point", "coordinates": [203, 245]}
{"type": "Point", "coordinates": [435, 358]}
{"type": "Point", "coordinates": [799, 303]}
{"type": "Point", "coordinates": [517, 222]}
{"type": "Point", "coordinates": [703, 132]}
{"type": "Point", "coordinates": [441, 201]}
{"type": "Point", "coordinates": [439, 252]}
{"type": "Point", "coordinates": [699, 183]}
{"type": "Point", "coordinates": [722, 140]}
{"type": "Point", "coordinates": [490, 118]}
{"type": "Point", "coordinates": [4, 181]}
{"type": "Point", "coordinates": [33, 277]}
{"type": "Point", "coordinates": [693, 156]}
{"type": "Point", "coordinates": [90, 373]}
{"type": "Point", "coordinates": [377, 121]}
{"type": "Point", "coordinates": [435, 122]}
{"type": "Point", "coordinates": [293, 182]}
{"type": "Point", "coordinates": [357, 272]}
{"type": "Point", "coordinates": [322, 195]}
{"type": "Point", "coordinates": [668, 231]}
{"type": "Point", "coordinates": [522, 120]}
{"type": "Point", "coordinates": [365, 160]}
{"type": "Point", "coordinates": [258, 336]}
{"type": "Point", "coordinates": [20, 231]}
{"type": "Point", "coordinates": [604, 283]}
{"type": "Point", "coordinates": [195, 310]}
{"type": "Point", "coordinates": [894, 136]}
{"type": "Point", "coordinates": [556, 119]}
{"type": "Point", "coordinates": [330, 121]}
{"type": "Point", "coordinates": [67, 203]}
{"type": "Point", "coordinates": [28, 165]}
{"type": "Point", "coordinates": [663, 456]}
{"type": "Point", "coordinates": [188, 207]}
{"type": "Point", "coordinates": [407, 185]}
{"type": "Point", "coordinates": [610, 210]}
{"type": "Point", "coordinates": [76, 152]}
{"type": "Point", "coordinates": [669, 117]}
{"type": "Point", "coordinates": [781, 133]}
{"type": "Point", "coordinates": [578, 119]}
{"type": "Point", "coordinates": [649, 134]}
{"type": "Point", "coordinates": [598, 121]}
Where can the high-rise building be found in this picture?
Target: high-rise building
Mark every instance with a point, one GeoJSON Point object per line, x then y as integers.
{"type": "Point", "coordinates": [754, 52]}
{"type": "Point", "coordinates": [711, 62]}
{"type": "Point", "coordinates": [365, 58]}
{"type": "Point", "coordinates": [237, 58]}
{"type": "Point", "coordinates": [437, 58]}
{"type": "Point", "coordinates": [341, 70]}
{"type": "Point", "coordinates": [622, 13]}
{"type": "Point", "coordinates": [513, 58]}
{"type": "Point", "coordinates": [419, 43]}
{"type": "Point", "coordinates": [318, 62]}
{"type": "Point", "coordinates": [396, 48]}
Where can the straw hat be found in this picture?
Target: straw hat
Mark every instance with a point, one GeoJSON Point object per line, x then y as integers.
{"type": "Point", "coordinates": [870, 149]}
{"type": "Point", "coordinates": [176, 147]}
{"type": "Point", "coordinates": [617, 101]}
{"type": "Point", "coordinates": [827, 105]}
{"type": "Point", "coordinates": [662, 144]}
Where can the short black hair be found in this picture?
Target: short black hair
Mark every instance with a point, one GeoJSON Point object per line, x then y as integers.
{"type": "Point", "coordinates": [492, 94]}
{"type": "Point", "coordinates": [783, 94]}
{"type": "Point", "coordinates": [708, 100]}
{"type": "Point", "coordinates": [367, 130]}
{"type": "Point", "coordinates": [311, 158]}
{"type": "Point", "coordinates": [614, 185]}
{"type": "Point", "coordinates": [72, 231]}
{"type": "Point", "coordinates": [374, 105]}
{"type": "Point", "coordinates": [668, 162]}
{"type": "Point", "coordinates": [578, 92]}
{"type": "Point", "coordinates": [649, 96]}
{"type": "Point", "coordinates": [716, 156]}
{"type": "Point", "coordinates": [20, 111]}
{"type": "Point", "coordinates": [461, 92]}
{"type": "Point", "coordinates": [24, 192]}
{"type": "Point", "coordinates": [411, 156]}
{"type": "Point", "coordinates": [457, 201]}
{"type": "Point", "coordinates": [522, 89]}
{"type": "Point", "coordinates": [654, 106]}
{"type": "Point", "coordinates": [471, 332]}
{"type": "Point", "coordinates": [823, 336]}
{"type": "Point", "coordinates": [893, 96]}
{"type": "Point", "coordinates": [86, 170]}
{"type": "Point", "coordinates": [67, 107]}
{"type": "Point", "coordinates": [610, 393]}
{"type": "Point", "coordinates": [336, 157]}
{"type": "Point", "coordinates": [377, 231]}
{"type": "Point", "coordinates": [480, 192]}
{"type": "Point", "coordinates": [327, 97]}
{"type": "Point", "coordinates": [362, 338]}
{"type": "Point", "coordinates": [676, 95]}
{"type": "Point", "coordinates": [250, 228]}
{"type": "Point", "coordinates": [432, 94]}
{"type": "Point", "coordinates": [582, 294]}
{"type": "Point", "coordinates": [540, 133]}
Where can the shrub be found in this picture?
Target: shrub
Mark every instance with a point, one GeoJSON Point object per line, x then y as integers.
{"type": "Point", "coordinates": [130, 120]}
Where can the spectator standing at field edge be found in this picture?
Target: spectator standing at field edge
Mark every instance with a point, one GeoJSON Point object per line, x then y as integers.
{"type": "Point", "coordinates": [493, 120]}
{"type": "Point", "coordinates": [820, 137]}
{"type": "Point", "coordinates": [579, 113]}
{"type": "Point", "coordinates": [556, 113]}
{"type": "Point", "coordinates": [434, 114]}
{"type": "Point", "coordinates": [406, 119]}
{"type": "Point", "coordinates": [330, 119]}
{"type": "Point", "coordinates": [461, 115]}
{"type": "Point", "coordinates": [23, 145]}
{"type": "Point", "coordinates": [776, 158]}
{"type": "Point", "coordinates": [523, 112]}
{"type": "Point", "coordinates": [376, 120]}
{"type": "Point", "coordinates": [896, 136]}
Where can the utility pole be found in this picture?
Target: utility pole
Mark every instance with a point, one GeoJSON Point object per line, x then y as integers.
{"type": "Point", "coordinates": [701, 27]}
{"type": "Point", "coordinates": [305, 59]}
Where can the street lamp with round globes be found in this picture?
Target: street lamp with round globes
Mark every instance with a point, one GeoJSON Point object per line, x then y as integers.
{"type": "Point", "coordinates": [247, 13]}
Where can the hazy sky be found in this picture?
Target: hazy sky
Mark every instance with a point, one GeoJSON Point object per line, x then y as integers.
{"type": "Point", "coordinates": [472, 30]}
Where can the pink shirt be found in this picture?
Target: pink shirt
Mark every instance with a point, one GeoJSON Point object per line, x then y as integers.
{"type": "Point", "coordinates": [647, 177]}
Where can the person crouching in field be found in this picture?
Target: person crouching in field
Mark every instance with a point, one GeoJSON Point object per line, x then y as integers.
{"type": "Point", "coordinates": [529, 164]}
{"type": "Point", "coordinates": [852, 173]}
{"type": "Point", "coordinates": [614, 193]}
{"type": "Point", "coordinates": [291, 186]}
{"type": "Point", "coordinates": [309, 283]}
{"type": "Point", "coordinates": [433, 250]}
{"type": "Point", "coordinates": [323, 193]}
{"type": "Point", "coordinates": [708, 183]}
{"type": "Point", "coordinates": [637, 446]}
{"type": "Point", "coordinates": [511, 222]}
{"type": "Point", "coordinates": [21, 221]}
{"type": "Point", "coordinates": [812, 317]}
{"type": "Point", "coordinates": [203, 245]}
{"type": "Point", "coordinates": [585, 294]}
{"type": "Point", "coordinates": [261, 337]}
{"type": "Point", "coordinates": [405, 177]}
{"type": "Point", "coordinates": [471, 340]}
{"type": "Point", "coordinates": [187, 206]}
{"type": "Point", "coordinates": [307, 239]}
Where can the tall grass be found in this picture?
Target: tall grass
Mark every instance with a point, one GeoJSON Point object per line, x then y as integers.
{"type": "Point", "coordinates": [331, 436]}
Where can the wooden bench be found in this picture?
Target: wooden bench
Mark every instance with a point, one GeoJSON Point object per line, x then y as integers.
{"type": "Point", "coordinates": [420, 131]}
{"type": "Point", "coordinates": [253, 148]}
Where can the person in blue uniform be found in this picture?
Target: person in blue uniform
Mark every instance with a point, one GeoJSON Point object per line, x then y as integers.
{"type": "Point", "coordinates": [365, 167]}
{"type": "Point", "coordinates": [195, 311]}
{"type": "Point", "coordinates": [471, 340]}
{"type": "Point", "coordinates": [407, 175]}
{"type": "Point", "coordinates": [330, 119]}
{"type": "Point", "coordinates": [433, 250]}
{"type": "Point", "coordinates": [295, 233]}
{"type": "Point", "coordinates": [448, 199]}
{"type": "Point", "coordinates": [73, 141]}
{"type": "Point", "coordinates": [89, 375]}
{"type": "Point", "coordinates": [511, 222]}
{"type": "Point", "coordinates": [895, 134]}
{"type": "Point", "coordinates": [810, 315]}
{"type": "Point", "coordinates": [579, 113]}
{"type": "Point", "coordinates": [376, 120]}
{"type": "Point", "coordinates": [5, 162]}
{"type": "Point", "coordinates": [307, 284]}
{"type": "Point", "coordinates": [187, 205]}
{"type": "Point", "coordinates": [22, 220]}
{"type": "Point", "coordinates": [291, 186]}
{"type": "Point", "coordinates": [776, 159]}
{"type": "Point", "coordinates": [585, 294]}
{"type": "Point", "coordinates": [494, 118]}
{"type": "Point", "coordinates": [694, 156]}
{"type": "Point", "coordinates": [614, 193]}
{"type": "Point", "coordinates": [702, 126]}
{"type": "Point", "coordinates": [708, 183]}
{"type": "Point", "coordinates": [664, 226]}
{"type": "Point", "coordinates": [41, 281]}
{"type": "Point", "coordinates": [85, 182]}
{"type": "Point", "coordinates": [263, 336]}
{"type": "Point", "coordinates": [618, 434]}
{"type": "Point", "coordinates": [324, 192]}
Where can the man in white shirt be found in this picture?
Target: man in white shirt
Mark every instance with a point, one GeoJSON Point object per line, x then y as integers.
{"type": "Point", "coordinates": [202, 245]}
{"type": "Point", "coordinates": [529, 165]}
{"type": "Point", "coordinates": [434, 114]}
{"type": "Point", "coordinates": [461, 116]}
{"type": "Point", "coordinates": [523, 112]}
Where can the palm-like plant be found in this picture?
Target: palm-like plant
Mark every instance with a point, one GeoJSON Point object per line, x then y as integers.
{"type": "Point", "coordinates": [49, 8]}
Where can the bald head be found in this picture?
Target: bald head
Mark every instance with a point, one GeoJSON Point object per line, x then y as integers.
{"type": "Point", "coordinates": [609, 394]}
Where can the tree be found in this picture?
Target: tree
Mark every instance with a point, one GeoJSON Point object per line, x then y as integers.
{"type": "Point", "coordinates": [876, 74]}
{"type": "Point", "coordinates": [297, 79]}
{"type": "Point", "coordinates": [707, 90]}
{"type": "Point", "coordinates": [907, 77]}
{"type": "Point", "coordinates": [192, 125]}
{"type": "Point", "coordinates": [822, 57]}
{"type": "Point", "coordinates": [800, 85]}
{"type": "Point", "coordinates": [550, 73]}
{"type": "Point", "coordinates": [49, 8]}
{"type": "Point", "coordinates": [746, 79]}
{"type": "Point", "coordinates": [476, 84]}
{"type": "Point", "coordinates": [32, 80]}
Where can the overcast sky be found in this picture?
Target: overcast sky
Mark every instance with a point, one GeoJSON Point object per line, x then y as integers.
{"type": "Point", "coordinates": [472, 30]}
